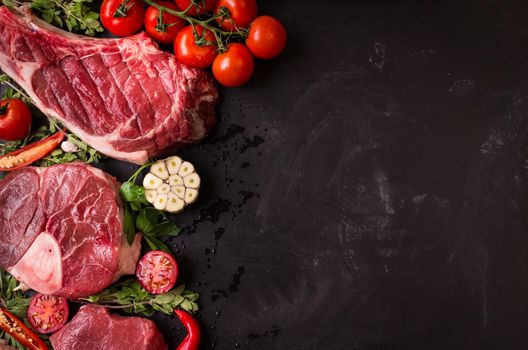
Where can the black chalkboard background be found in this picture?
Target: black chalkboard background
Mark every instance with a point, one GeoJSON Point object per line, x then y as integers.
{"type": "Point", "coordinates": [368, 189]}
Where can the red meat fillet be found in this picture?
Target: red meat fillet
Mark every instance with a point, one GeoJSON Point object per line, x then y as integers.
{"type": "Point", "coordinates": [93, 328]}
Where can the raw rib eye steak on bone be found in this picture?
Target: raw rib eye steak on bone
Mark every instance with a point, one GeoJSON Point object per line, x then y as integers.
{"type": "Point", "coordinates": [124, 97]}
{"type": "Point", "coordinates": [61, 230]}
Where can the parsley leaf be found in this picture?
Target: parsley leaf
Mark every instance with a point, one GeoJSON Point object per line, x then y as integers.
{"type": "Point", "coordinates": [75, 15]}
{"type": "Point", "coordinates": [132, 298]}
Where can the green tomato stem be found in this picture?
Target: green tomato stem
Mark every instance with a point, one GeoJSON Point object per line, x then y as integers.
{"type": "Point", "coordinates": [217, 32]}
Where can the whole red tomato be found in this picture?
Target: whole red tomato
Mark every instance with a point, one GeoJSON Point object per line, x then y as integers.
{"type": "Point", "coordinates": [200, 7]}
{"type": "Point", "coordinates": [122, 17]}
{"type": "Point", "coordinates": [164, 28]}
{"type": "Point", "coordinates": [235, 66]}
{"type": "Point", "coordinates": [15, 120]}
{"type": "Point", "coordinates": [241, 13]}
{"type": "Point", "coordinates": [192, 52]}
{"type": "Point", "coordinates": [266, 38]}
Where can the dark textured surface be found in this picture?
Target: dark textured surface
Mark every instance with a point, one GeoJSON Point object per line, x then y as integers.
{"type": "Point", "coordinates": [368, 189]}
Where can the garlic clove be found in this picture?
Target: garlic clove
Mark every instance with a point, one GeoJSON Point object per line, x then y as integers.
{"type": "Point", "coordinates": [191, 194]}
{"type": "Point", "coordinates": [192, 180]}
{"type": "Point", "coordinates": [175, 180]}
{"type": "Point", "coordinates": [152, 182]}
{"type": "Point", "coordinates": [174, 204]}
{"type": "Point", "coordinates": [164, 188]}
{"type": "Point", "coordinates": [173, 164]}
{"type": "Point", "coordinates": [186, 169]}
{"type": "Point", "coordinates": [179, 191]}
{"type": "Point", "coordinates": [150, 195]}
{"type": "Point", "coordinates": [160, 170]}
{"type": "Point", "coordinates": [161, 201]}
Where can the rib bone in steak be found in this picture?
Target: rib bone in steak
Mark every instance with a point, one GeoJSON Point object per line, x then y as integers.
{"type": "Point", "coordinates": [124, 97]}
{"type": "Point", "coordinates": [61, 229]}
{"type": "Point", "coordinates": [93, 328]}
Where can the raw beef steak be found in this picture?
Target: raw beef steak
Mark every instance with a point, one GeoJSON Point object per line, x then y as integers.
{"type": "Point", "coordinates": [93, 328]}
{"type": "Point", "coordinates": [124, 97]}
{"type": "Point", "coordinates": [61, 229]}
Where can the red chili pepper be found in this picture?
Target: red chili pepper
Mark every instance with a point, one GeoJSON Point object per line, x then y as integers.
{"type": "Point", "coordinates": [192, 340]}
{"type": "Point", "coordinates": [31, 153]}
{"type": "Point", "coordinates": [18, 330]}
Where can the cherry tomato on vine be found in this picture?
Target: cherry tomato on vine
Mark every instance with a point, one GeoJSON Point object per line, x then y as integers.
{"type": "Point", "coordinates": [266, 38]}
{"type": "Point", "coordinates": [195, 53]}
{"type": "Point", "coordinates": [122, 17]}
{"type": "Point", "coordinates": [157, 271]}
{"type": "Point", "coordinates": [164, 28]}
{"type": "Point", "coordinates": [15, 120]}
{"type": "Point", "coordinates": [47, 313]}
{"type": "Point", "coordinates": [241, 13]}
{"type": "Point", "coordinates": [200, 7]}
{"type": "Point", "coordinates": [235, 66]}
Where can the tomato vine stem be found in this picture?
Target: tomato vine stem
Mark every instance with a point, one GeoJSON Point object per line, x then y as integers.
{"type": "Point", "coordinates": [221, 36]}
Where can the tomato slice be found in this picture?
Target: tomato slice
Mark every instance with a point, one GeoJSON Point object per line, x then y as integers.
{"type": "Point", "coordinates": [157, 271]}
{"type": "Point", "coordinates": [18, 330]}
{"type": "Point", "coordinates": [31, 153]}
{"type": "Point", "coordinates": [47, 313]}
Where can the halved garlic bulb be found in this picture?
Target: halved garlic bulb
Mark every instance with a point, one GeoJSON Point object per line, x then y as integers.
{"type": "Point", "coordinates": [171, 184]}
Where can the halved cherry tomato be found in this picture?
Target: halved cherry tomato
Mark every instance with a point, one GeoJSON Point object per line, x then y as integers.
{"type": "Point", "coordinates": [200, 6]}
{"type": "Point", "coordinates": [47, 313]}
{"type": "Point", "coordinates": [15, 119]}
{"type": "Point", "coordinates": [31, 153]}
{"type": "Point", "coordinates": [235, 66]}
{"type": "Point", "coordinates": [266, 38]}
{"type": "Point", "coordinates": [241, 13]}
{"type": "Point", "coordinates": [189, 51]}
{"type": "Point", "coordinates": [18, 330]}
{"type": "Point", "coordinates": [122, 17]}
{"type": "Point", "coordinates": [157, 271]}
{"type": "Point", "coordinates": [192, 339]}
{"type": "Point", "coordinates": [163, 28]}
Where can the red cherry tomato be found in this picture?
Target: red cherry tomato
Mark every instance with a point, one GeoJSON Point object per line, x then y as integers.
{"type": "Point", "coordinates": [241, 13]}
{"type": "Point", "coordinates": [15, 120]}
{"type": "Point", "coordinates": [235, 66]}
{"type": "Point", "coordinates": [122, 17]}
{"type": "Point", "coordinates": [157, 271]}
{"type": "Point", "coordinates": [164, 28]}
{"type": "Point", "coordinates": [200, 7]}
{"type": "Point", "coordinates": [47, 313]}
{"type": "Point", "coordinates": [266, 38]}
{"type": "Point", "coordinates": [187, 50]}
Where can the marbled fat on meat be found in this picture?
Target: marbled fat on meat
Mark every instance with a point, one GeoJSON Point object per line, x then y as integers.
{"type": "Point", "coordinates": [124, 97]}
{"type": "Point", "coordinates": [61, 229]}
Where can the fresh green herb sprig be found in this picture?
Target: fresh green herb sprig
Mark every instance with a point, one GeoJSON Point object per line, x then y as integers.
{"type": "Point", "coordinates": [140, 215]}
{"type": "Point", "coordinates": [132, 298]}
{"type": "Point", "coordinates": [75, 15]}
{"type": "Point", "coordinates": [47, 128]}
{"type": "Point", "coordinates": [12, 298]}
